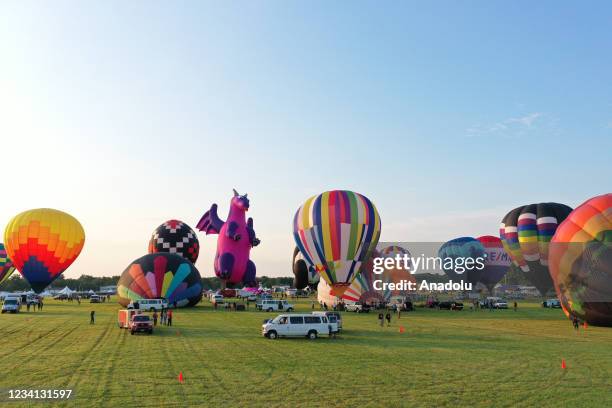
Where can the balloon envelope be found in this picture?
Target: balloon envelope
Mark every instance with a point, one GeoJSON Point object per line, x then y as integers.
{"type": "Point", "coordinates": [526, 232]}
{"type": "Point", "coordinates": [6, 265]}
{"type": "Point", "coordinates": [464, 247]}
{"type": "Point", "coordinates": [42, 244]}
{"type": "Point", "coordinates": [336, 232]}
{"type": "Point", "coordinates": [497, 261]}
{"type": "Point", "coordinates": [303, 274]}
{"type": "Point", "coordinates": [581, 261]}
{"type": "Point", "coordinates": [175, 237]}
{"type": "Point", "coordinates": [161, 275]}
{"type": "Point", "coordinates": [396, 275]}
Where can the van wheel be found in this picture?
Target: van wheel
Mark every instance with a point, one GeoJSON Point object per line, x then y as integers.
{"type": "Point", "coordinates": [152, 309]}
{"type": "Point", "coordinates": [269, 310]}
{"type": "Point", "coordinates": [272, 335]}
{"type": "Point", "coordinates": [312, 335]}
{"type": "Point", "coordinates": [290, 309]}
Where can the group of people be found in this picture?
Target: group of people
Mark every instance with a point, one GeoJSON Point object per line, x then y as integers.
{"type": "Point", "coordinates": [165, 317]}
{"type": "Point", "coordinates": [35, 305]}
{"type": "Point", "coordinates": [382, 317]}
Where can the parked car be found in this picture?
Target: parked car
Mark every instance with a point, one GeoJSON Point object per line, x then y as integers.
{"type": "Point", "coordinates": [450, 305]}
{"type": "Point", "coordinates": [149, 304]}
{"type": "Point", "coordinates": [291, 292]}
{"type": "Point", "coordinates": [356, 307]}
{"type": "Point", "coordinates": [141, 323]}
{"type": "Point", "coordinates": [552, 303]}
{"type": "Point", "coordinates": [500, 304]}
{"type": "Point", "coordinates": [270, 305]}
{"type": "Point", "coordinates": [11, 305]}
{"type": "Point", "coordinates": [298, 325]}
{"type": "Point", "coordinates": [217, 300]}
{"type": "Point", "coordinates": [331, 316]}
{"type": "Point", "coordinates": [95, 299]}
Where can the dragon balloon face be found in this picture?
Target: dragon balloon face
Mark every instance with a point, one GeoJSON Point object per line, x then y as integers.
{"type": "Point", "coordinates": [240, 201]}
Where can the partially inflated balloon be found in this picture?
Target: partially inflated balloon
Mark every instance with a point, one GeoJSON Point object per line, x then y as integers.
{"type": "Point", "coordinates": [526, 233]}
{"type": "Point", "coordinates": [42, 244]}
{"type": "Point", "coordinates": [161, 275]}
{"type": "Point", "coordinates": [396, 275]}
{"type": "Point", "coordinates": [581, 261]}
{"type": "Point", "coordinates": [336, 232]}
{"type": "Point", "coordinates": [497, 261]}
{"type": "Point", "coordinates": [6, 265]}
{"type": "Point", "coordinates": [455, 254]}
{"type": "Point", "coordinates": [175, 237]}
{"type": "Point", "coordinates": [303, 274]}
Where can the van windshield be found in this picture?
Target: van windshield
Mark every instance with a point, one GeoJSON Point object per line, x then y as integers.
{"type": "Point", "coordinates": [10, 302]}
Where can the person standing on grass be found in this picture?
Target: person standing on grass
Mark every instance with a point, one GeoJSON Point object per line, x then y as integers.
{"type": "Point", "coordinates": [388, 317]}
{"type": "Point", "coordinates": [399, 311]}
{"type": "Point", "coordinates": [169, 318]}
{"type": "Point", "coordinates": [381, 319]}
{"type": "Point", "coordinates": [92, 317]}
{"type": "Point", "coordinates": [28, 306]}
{"type": "Point", "coordinates": [155, 318]}
{"type": "Point", "coordinates": [515, 305]}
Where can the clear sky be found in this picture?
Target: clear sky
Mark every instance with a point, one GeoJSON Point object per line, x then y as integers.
{"type": "Point", "coordinates": [445, 114]}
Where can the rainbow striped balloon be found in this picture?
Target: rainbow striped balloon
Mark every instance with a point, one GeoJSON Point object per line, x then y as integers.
{"type": "Point", "coordinates": [526, 232]}
{"type": "Point", "coordinates": [581, 261]}
{"type": "Point", "coordinates": [6, 265]}
{"type": "Point", "coordinates": [336, 231]}
{"type": "Point", "coordinates": [42, 244]}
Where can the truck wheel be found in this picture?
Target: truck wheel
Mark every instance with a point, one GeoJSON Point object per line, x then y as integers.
{"type": "Point", "coordinates": [272, 335]}
{"type": "Point", "coordinates": [312, 335]}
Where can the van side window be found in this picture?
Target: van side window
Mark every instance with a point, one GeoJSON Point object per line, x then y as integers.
{"type": "Point", "coordinates": [324, 319]}
{"type": "Point", "coordinates": [312, 319]}
{"type": "Point", "coordinates": [296, 320]}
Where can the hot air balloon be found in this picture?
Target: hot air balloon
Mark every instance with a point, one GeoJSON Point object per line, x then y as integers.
{"type": "Point", "coordinates": [42, 244]}
{"type": "Point", "coordinates": [175, 237]}
{"type": "Point", "coordinates": [526, 233]}
{"type": "Point", "coordinates": [336, 232]}
{"type": "Point", "coordinates": [581, 261]}
{"type": "Point", "coordinates": [6, 265]}
{"type": "Point", "coordinates": [303, 274]}
{"type": "Point", "coordinates": [161, 275]}
{"type": "Point", "coordinates": [453, 251]}
{"type": "Point", "coordinates": [497, 261]}
{"type": "Point", "coordinates": [396, 275]}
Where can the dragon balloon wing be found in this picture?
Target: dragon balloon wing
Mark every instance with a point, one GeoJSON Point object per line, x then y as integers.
{"type": "Point", "coordinates": [210, 222]}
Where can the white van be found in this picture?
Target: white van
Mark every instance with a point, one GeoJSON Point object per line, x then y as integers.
{"type": "Point", "coordinates": [217, 300]}
{"type": "Point", "coordinates": [11, 305]}
{"type": "Point", "coordinates": [333, 317]}
{"type": "Point", "coordinates": [270, 305]}
{"type": "Point", "coordinates": [149, 304]}
{"type": "Point", "coordinates": [298, 325]}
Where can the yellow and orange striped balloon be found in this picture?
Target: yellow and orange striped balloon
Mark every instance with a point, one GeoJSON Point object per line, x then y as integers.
{"type": "Point", "coordinates": [43, 243]}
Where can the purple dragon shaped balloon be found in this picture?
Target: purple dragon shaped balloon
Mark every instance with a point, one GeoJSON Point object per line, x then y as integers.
{"type": "Point", "coordinates": [236, 238]}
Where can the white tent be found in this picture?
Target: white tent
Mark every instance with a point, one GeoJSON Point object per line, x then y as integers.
{"type": "Point", "coordinates": [91, 292]}
{"type": "Point", "coordinates": [66, 291]}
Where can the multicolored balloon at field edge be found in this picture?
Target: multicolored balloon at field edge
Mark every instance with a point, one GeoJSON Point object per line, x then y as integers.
{"type": "Point", "coordinates": [497, 261]}
{"type": "Point", "coordinates": [463, 247]}
{"type": "Point", "coordinates": [581, 261]}
{"type": "Point", "coordinates": [6, 265]}
{"type": "Point", "coordinates": [395, 275]}
{"type": "Point", "coordinates": [161, 275]}
{"type": "Point", "coordinates": [336, 231]}
{"type": "Point", "coordinates": [42, 244]}
{"type": "Point", "coordinates": [526, 232]}
{"type": "Point", "coordinates": [175, 237]}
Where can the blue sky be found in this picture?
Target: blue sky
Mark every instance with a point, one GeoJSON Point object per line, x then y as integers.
{"type": "Point", "coordinates": [445, 114]}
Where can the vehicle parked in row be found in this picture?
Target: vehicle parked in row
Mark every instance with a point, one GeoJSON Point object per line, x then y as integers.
{"type": "Point", "coordinates": [298, 325]}
{"type": "Point", "coordinates": [450, 305]}
{"type": "Point", "coordinates": [11, 305]}
{"type": "Point", "coordinates": [270, 305]}
{"type": "Point", "coordinates": [335, 317]}
{"type": "Point", "coordinates": [356, 307]}
{"type": "Point", "coordinates": [148, 304]}
{"type": "Point", "coordinates": [552, 303]}
{"type": "Point", "coordinates": [95, 299]}
{"type": "Point", "coordinates": [217, 300]}
{"type": "Point", "coordinates": [125, 315]}
{"type": "Point", "coordinates": [141, 323]}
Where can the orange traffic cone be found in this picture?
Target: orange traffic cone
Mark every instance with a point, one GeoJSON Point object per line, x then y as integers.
{"type": "Point", "coordinates": [585, 325]}
{"type": "Point", "coordinates": [180, 377]}
{"type": "Point", "coordinates": [401, 329]}
{"type": "Point", "coordinates": [563, 366]}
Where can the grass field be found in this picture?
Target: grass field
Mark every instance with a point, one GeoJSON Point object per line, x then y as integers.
{"type": "Point", "coordinates": [501, 358]}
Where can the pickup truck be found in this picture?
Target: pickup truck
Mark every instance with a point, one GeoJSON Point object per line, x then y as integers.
{"type": "Point", "coordinates": [357, 308]}
{"type": "Point", "coordinates": [141, 323]}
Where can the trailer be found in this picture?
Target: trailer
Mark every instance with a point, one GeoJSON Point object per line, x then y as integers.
{"type": "Point", "coordinates": [124, 316]}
